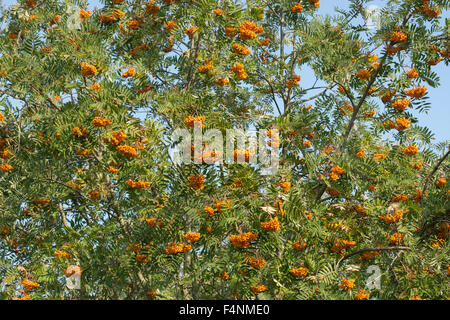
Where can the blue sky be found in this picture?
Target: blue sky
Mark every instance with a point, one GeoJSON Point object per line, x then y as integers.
{"type": "Point", "coordinates": [437, 117]}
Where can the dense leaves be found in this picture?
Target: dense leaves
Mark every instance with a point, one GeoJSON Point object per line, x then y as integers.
{"type": "Point", "coordinates": [88, 185]}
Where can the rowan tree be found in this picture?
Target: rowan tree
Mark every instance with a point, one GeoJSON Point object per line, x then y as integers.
{"type": "Point", "coordinates": [88, 185]}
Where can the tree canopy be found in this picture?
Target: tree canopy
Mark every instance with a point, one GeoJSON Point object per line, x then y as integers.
{"type": "Point", "coordinates": [88, 182]}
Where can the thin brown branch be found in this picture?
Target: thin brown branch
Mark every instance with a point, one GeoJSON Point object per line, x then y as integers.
{"type": "Point", "coordinates": [436, 167]}
{"type": "Point", "coordinates": [369, 250]}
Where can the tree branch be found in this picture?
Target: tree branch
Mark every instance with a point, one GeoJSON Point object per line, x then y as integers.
{"type": "Point", "coordinates": [427, 181]}
{"type": "Point", "coordinates": [368, 250]}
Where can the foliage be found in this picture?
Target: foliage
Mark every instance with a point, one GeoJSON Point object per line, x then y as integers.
{"type": "Point", "coordinates": [90, 99]}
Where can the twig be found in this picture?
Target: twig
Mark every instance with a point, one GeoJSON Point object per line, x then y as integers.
{"type": "Point", "coordinates": [331, 86]}
{"type": "Point", "coordinates": [368, 250]}
{"type": "Point", "coordinates": [63, 215]}
{"type": "Point", "coordinates": [361, 101]}
{"type": "Point", "coordinates": [427, 181]}
{"type": "Point", "coordinates": [273, 93]}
